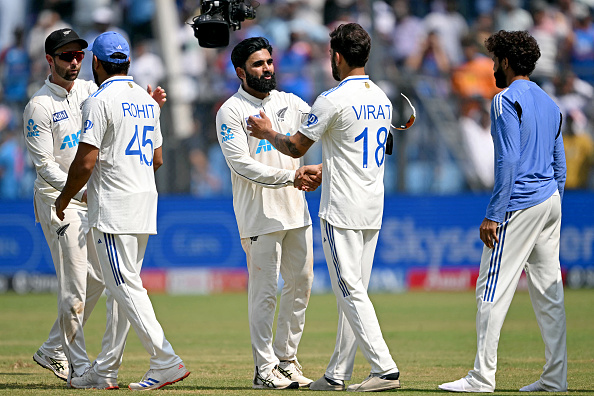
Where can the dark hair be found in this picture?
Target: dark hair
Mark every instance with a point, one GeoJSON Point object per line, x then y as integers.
{"type": "Point", "coordinates": [352, 42]}
{"type": "Point", "coordinates": [115, 68]}
{"type": "Point", "coordinates": [244, 49]}
{"type": "Point", "coordinates": [519, 47]}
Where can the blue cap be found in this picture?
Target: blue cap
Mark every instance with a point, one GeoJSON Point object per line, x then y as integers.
{"type": "Point", "coordinates": [109, 43]}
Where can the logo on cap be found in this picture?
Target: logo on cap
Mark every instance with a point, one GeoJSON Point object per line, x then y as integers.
{"type": "Point", "coordinates": [66, 32]}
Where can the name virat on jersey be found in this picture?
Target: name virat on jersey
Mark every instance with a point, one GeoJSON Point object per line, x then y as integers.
{"type": "Point", "coordinates": [368, 112]}
{"type": "Point", "coordinates": [138, 111]}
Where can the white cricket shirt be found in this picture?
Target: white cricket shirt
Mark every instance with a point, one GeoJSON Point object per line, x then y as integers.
{"type": "Point", "coordinates": [122, 120]}
{"type": "Point", "coordinates": [353, 122]}
{"type": "Point", "coordinates": [264, 198]}
{"type": "Point", "coordinates": [52, 124]}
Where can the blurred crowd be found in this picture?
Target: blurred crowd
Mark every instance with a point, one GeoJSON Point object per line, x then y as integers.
{"type": "Point", "coordinates": [430, 50]}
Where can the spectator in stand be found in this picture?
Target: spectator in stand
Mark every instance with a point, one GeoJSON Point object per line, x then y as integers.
{"type": "Point", "coordinates": [478, 143]}
{"type": "Point", "coordinates": [14, 69]}
{"type": "Point", "coordinates": [147, 67]}
{"type": "Point", "coordinates": [430, 59]}
{"type": "Point", "coordinates": [12, 163]}
{"type": "Point", "coordinates": [47, 22]}
{"type": "Point", "coordinates": [548, 39]}
{"type": "Point", "coordinates": [579, 154]}
{"type": "Point", "coordinates": [474, 78]}
{"type": "Point", "coordinates": [508, 15]}
{"type": "Point", "coordinates": [408, 32]}
{"type": "Point", "coordinates": [581, 44]}
{"type": "Point", "coordinates": [449, 26]}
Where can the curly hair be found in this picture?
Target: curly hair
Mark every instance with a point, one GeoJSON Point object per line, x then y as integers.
{"type": "Point", "coordinates": [519, 47]}
{"type": "Point", "coordinates": [352, 42]}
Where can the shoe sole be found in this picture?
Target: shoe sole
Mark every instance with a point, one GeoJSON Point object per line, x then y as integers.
{"type": "Point", "coordinates": [49, 368]}
{"type": "Point", "coordinates": [292, 385]}
{"type": "Point", "coordinates": [379, 389]}
{"type": "Point", "coordinates": [109, 387]}
{"type": "Point", "coordinates": [462, 391]}
{"type": "Point", "coordinates": [162, 385]}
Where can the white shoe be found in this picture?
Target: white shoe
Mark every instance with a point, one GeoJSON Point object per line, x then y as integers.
{"type": "Point", "coordinates": [293, 371]}
{"type": "Point", "coordinates": [274, 380]}
{"type": "Point", "coordinates": [158, 378]}
{"type": "Point", "coordinates": [91, 380]}
{"type": "Point", "coordinates": [376, 383]}
{"type": "Point", "coordinates": [461, 385]}
{"type": "Point", "coordinates": [326, 384]}
{"type": "Point", "coordinates": [58, 367]}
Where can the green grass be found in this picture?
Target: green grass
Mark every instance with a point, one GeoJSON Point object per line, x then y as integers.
{"type": "Point", "coordinates": [431, 337]}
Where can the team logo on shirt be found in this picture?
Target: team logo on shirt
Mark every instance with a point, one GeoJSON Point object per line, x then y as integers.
{"type": "Point", "coordinates": [32, 128]}
{"type": "Point", "coordinates": [226, 133]}
{"type": "Point", "coordinates": [312, 119]}
{"type": "Point", "coordinates": [60, 116]}
{"type": "Point", "coordinates": [70, 141]}
{"type": "Point", "coordinates": [281, 114]}
{"type": "Point", "coordinates": [88, 125]}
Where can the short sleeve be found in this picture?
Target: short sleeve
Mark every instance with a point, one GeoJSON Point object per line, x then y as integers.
{"type": "Point", "coordinates": [320, 118]}
{"type": "Point", "coordinates": [94, 122]}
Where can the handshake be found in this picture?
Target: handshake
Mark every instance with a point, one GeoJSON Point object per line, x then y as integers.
{"type": "Point", "coordinates": [308, 177]}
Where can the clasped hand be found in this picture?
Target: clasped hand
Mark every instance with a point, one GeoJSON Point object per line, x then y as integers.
{"type": "Point", "coordinates": [308, 177]}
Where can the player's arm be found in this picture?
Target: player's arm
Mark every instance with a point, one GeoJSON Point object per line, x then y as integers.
{"type": "Point", "coordinates": [559, 166]}
{"type": "Point", "coordinates": [294, 146]}
{"type": "Point", "coordinates": [233, 140]}
{"type": "Point", "coordinates": [40, 145]}
{"type": "Point", "coordinates": [157, 158]}
{"type": "Point", "coordinates": [506, 139]}
{"type": "Point", "coordinates": [78, 175]}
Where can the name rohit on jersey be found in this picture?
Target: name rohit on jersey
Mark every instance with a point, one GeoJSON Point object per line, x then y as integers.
{"type": "Point", "coordinates": [138, 111]}
{"type": "Point", "coordinates": [373, 112]}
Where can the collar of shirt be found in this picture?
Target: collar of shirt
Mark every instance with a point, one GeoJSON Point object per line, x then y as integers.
{"type": "Point", "coordinates": [255, 100]}
{"type": "Point", "coordinates": [57, 89]}
{"type": "Point", "coordinates": [116, 78]}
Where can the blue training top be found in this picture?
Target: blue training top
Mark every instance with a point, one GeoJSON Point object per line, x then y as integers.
{"type": "Point", "coordinates": [529, 154]}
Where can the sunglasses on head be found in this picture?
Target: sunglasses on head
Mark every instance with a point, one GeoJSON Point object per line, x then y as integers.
{"type": "Point", "coordinates": [68, 56]}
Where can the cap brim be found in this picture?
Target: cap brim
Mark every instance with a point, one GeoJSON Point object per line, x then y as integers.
{"type": "Point", "coordinates": [82, 43]}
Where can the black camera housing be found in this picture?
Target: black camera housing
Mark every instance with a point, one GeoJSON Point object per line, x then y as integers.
{"type": "Point", "coordinates": [211, 28]}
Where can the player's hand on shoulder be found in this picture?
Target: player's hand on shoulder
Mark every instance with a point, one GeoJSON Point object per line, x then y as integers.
{"type": "Point", "coordinates": [159, 94]}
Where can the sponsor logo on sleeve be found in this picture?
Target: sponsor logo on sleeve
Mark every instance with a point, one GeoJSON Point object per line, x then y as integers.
{"type": "Point", "coordinates": [88, 125]}
{"type": "Point", "coordinates": [32, 128]}
{"type": "Point", "coordinates": [312, 119]}
{"type": "Point", "coordinates": [226, 133]}
{"type": "Point", "coordinates": [60, 116]}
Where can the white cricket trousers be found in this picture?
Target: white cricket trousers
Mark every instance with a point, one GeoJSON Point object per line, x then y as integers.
{"type": "Point", "coordinates": [80, 282]}
{"type": "Point", "coordinates": [349, 256]}
{"type": "Point", "coordinates": [291, 253]}
{"type": "Point", "coordinates": [120, 257]}
{"type": "Point", "coordinates": [529, 241]}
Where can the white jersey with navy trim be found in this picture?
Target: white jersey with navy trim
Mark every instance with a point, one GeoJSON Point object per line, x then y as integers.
{"type": "Point", "coordinates": [264, 198]}
{"type": "Point", "coordinates": [52, 124]}
{"type": "Point", "coordinates": [353, 121]}
{"type": "Point", "coordinates": [122, 120]}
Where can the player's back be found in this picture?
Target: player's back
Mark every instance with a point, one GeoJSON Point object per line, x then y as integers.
{"type": "Point", "coordinates": [539, 125]}
{"type": "Point", "coordinates": [354, 153]}
{"type": "Point", "coordinates": [122, 120]}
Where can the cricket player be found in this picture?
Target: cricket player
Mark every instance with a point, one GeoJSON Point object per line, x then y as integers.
{"type": "Point", "coordinates": [521, 229]}
{"type": "Point", "coordinates": [52, 124]}
{"type": "Point", "coordinates": [272, 216]}
{"type": "Point", "coordinates": [352, 120]}
{"type": "Point", "coordinates": [119, 150]}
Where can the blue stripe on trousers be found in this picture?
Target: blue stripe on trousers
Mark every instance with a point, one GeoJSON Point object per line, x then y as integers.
{"type": "Point", "coordinates": [341, 283]}
{"type": "Point", "coordinates": [495, 263]}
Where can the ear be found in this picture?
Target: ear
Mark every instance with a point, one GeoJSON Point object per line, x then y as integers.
{"type": "Point", "coordinates": [338, 58]}
{"type": "Point", "coordinates": [95, 64]}
{"type": "Point", "coordinates": [240, 73]}
{"type": "Point", "coordinates": [50, 59]}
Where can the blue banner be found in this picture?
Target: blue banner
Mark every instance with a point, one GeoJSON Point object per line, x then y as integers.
{"type": "Point", "coordinates": [418, 232]}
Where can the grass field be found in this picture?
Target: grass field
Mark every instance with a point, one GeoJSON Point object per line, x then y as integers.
{"type": "Point", "coordinates": [431, 337]}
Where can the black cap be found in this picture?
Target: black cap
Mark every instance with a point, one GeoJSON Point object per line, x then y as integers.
{"type": "Point", "coordinates": [61, 37]}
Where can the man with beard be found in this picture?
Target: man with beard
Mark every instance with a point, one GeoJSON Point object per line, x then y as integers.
{"type": "Point", "coordinates": [352, 121]}
{"type": "Point", "coordinates": [521, 229]}
{"type": "Point", "coordinates": [52, 127]}
{"type": "Point", "coordinates": [119, 151]}
{"type": "Point", "coordinates": [272, 216]}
